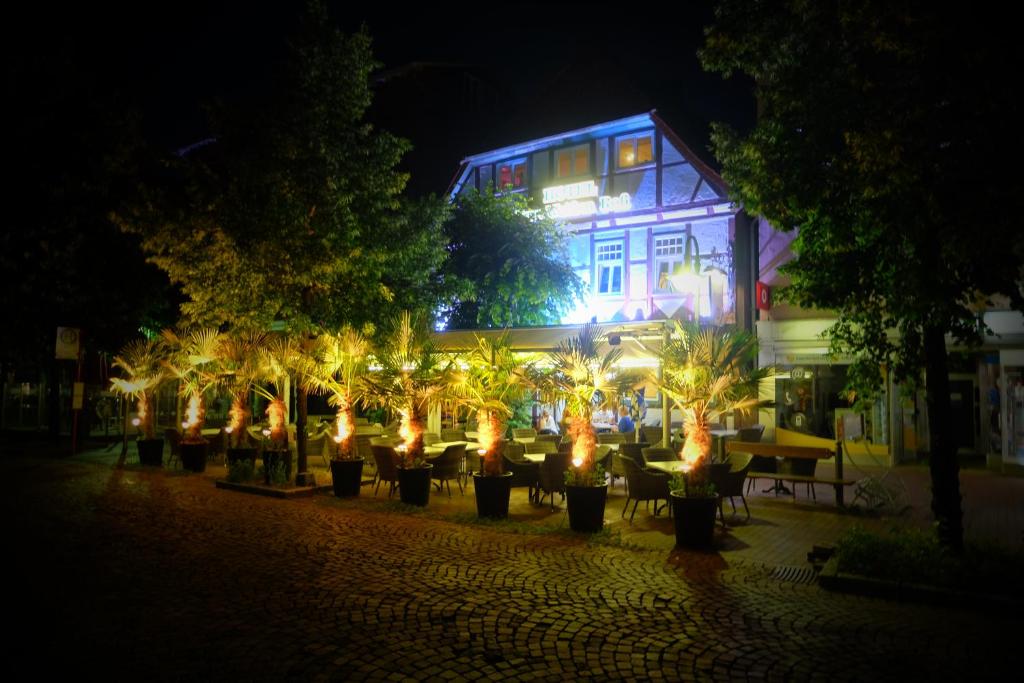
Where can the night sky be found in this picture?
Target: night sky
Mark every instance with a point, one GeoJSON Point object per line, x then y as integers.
{"type": "Point", "coordinates": [453, 81]}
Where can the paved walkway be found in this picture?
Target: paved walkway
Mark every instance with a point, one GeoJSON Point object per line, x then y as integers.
{"type": "Point", "coordinates": [131, 573]}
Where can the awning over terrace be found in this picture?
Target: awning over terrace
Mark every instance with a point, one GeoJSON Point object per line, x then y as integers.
{"type": "Point", "coordinates": [631, 337]}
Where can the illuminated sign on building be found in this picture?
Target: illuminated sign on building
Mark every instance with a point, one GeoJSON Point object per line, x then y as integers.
{"type": "Point", "coordinates": [581, 199]}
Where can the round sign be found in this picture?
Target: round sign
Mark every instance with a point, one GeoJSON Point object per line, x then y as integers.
{"type": "Point", "coordinates": [69, 335]}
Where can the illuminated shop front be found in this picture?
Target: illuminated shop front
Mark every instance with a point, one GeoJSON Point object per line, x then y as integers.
{"type": "Point", "coordinates": [651, 231]}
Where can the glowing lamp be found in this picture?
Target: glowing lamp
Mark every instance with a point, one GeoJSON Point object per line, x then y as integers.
{"type": "Point", "coordinates": [184, 425]}
{"type": "Point", "coordinates": [136, 421]}
{"type": "Point", "coordinates": [266, 432]}
{"type": "Point", "coordinates": [577, 462]}
{"type": "Point", "coordinates": [337, 438]}
{"type": "Point", "coordinates": [229, 429]}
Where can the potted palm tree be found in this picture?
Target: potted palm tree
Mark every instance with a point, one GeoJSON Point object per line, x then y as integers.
{"type": "Point", "coordinates": [584, 378]}
{"type": "Point", "coordinates": [706, 373]}
{"type": "Point", "coordinates": [411, 378]}
{"type": "Point", "coordinates": [192, 355]}
{"type": "Point", "coordinates": [489, 383]}
{"type": "Point", "coordinates": [141, 363]}
{"type": "Point", "coordinates": [336, 368]}
{"type": "Point", "coordinates": [277, 360]}
{"type": "Point", "coordinates": [237, 374]}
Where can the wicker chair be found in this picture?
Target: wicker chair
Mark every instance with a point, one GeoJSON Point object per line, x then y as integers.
{"type": "Point", "coordinates": [642, 485]}
{"type": "Point", "coordinates": [630, 450]}
{"type": "Point", "coordinates": [430, 438]}
{"type": "Point", "coordinates": [386, 460]}
{"type": "Point", "coordinates": [551, 476]}
{"type": "Point", "coordinates": [658, 455]}
{"type": "Point", "coordinates": [651, 435]}
{"type": "Point", "coordinates": [728, 479]}
{"type": "Point", "coordinates": [603, 456]}
{"type": "Point", "coordinates": [173, 437]}
{"type": "Point", "coordinates": [552, 438]}
{"type": "Point", "coordinates": [524, 473]}
{"type": "Point", "coordinates": [315, 449]}
{"type": "Point", "coordinates": [448, 466]}
{"type": "Point", "coordinates": [524, 433]}
{"type": "Point", "coordinates": [611, 437]}
{"type": "Point", "coordinates": [449, 435]}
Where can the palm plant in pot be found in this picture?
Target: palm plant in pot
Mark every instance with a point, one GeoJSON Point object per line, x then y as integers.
{"type": "Point", "coordinates": [141, 362]}
{"type": "Point", "coordinates": [706, 373]}
{"type": "Point", "coordinates": [336, 368]}
{"type": "Point", "coordinates": [192, 355]}
{"type": "Point", "coordinates": [238, 373]}
{"type": "Point", "coordinates": [487, 384]}
{"type": "Point", "coordinates": [585, 379]}
{"type": "Point", "coordinates": [412, 377]}
{"type": "Point", "coordinates": [277, 361]}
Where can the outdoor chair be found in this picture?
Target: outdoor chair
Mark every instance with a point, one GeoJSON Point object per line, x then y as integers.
{"type": "Point", "coordinates": [551, 476]}
{"type": "Point", "coordinates": [447, 466]}
{"type": "Point", "coordinates": [541, 447]}
{"type": "Point", "coordinates": [728, 479]}
{"type": "Point", "coordinates": [523, 473]}
{"type": "Point", "coordinates": [611, 437]}
{"type": "Point", "coordinates": [449, 435]}
{"type": "Point", "coordinates": [634, 451]}
{"type": "Point", "coordinates": [603, 456]}
{"type": "Point", "coordinates": [386, 460]}
{"type": "Point", "coordinates": [565, 446]}
{"type": "Point", "coordinates": [643, 485]}
{"type": "Point", "coordinates": [802, 467]}
{"type": "Point", "coordinates": [173, 438]}
{"type": "Point", "coordinates": [658, 455]}
{"type": "Point", "coordinates": [524, 433]}
{"type": "Point", "coordinates": [430, 438]}
{"type": "Point", "coordinates": [315, 449]}
{"type": "Point", "coordinates": [551, 438]}
{"type": "Point", "coordinates": [652, 435]}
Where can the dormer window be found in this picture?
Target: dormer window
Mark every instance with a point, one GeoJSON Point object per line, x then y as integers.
{"type": "Point", "coordinates": [635, 150]}
{"type": "Point", "coordinates": [512, 174]}
{"type": "Point", "coordinates": [573, 161]}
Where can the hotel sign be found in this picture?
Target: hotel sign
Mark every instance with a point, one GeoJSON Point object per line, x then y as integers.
{"type": "Point", "coordinates": [582, 199]}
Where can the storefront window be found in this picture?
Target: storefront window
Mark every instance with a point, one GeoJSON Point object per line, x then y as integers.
{"type": "Point", "coordinates": [809, 399]}
{"type": "Point", "coordinates": [609, 268]}
{"type": "Point", "coordinates": [512, 174]}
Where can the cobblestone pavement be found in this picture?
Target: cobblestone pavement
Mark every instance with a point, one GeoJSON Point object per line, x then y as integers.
{"type": "Point", "coordinates": [132, 574]}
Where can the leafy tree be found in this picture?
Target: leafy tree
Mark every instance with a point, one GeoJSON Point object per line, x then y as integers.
{"type": "Point", "coordinates": [293, 213]}
{"type": "Point", "coordinates": [879, 126]}
{"type": "Point", "coordinates": [515, 264]}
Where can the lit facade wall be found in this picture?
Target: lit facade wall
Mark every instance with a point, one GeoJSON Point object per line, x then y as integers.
{"type": "Point", "coordinates": [633, 200]}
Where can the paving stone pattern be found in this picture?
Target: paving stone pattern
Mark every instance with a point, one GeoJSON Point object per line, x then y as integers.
{"type": "Point", "coordinates": [133, 574]}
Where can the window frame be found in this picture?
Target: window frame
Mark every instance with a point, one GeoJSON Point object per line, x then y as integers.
{"type": "Point", "coordinates": [634, 138]}
{"type": "Point", "coordinates": [572, 161]}
{"type": "Point", "coordinates": [610, 265]}
{"type": "Point", "coordinates": [669, 258]}
{"type": "Point", "coordinates": [512, 164]}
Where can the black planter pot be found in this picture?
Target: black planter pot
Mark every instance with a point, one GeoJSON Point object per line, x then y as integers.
{"type": "Point", "coordinates": [347, 477]}
{"type": "Point", "coordinates": [492, 494]}
{"type": "Point", "coordinates": [414, 485]}
{"type": "Point", "coordinates": [151, 452]}
{"type": "Point", "coordinates": [236, 454]}
{"type": "Point", "coordinates": [193, 456]}
{"type": "Point", "coordinates": [695, 520]}
{"type": "Point", "coordinates": [586, 507]}
{"type": "Point", "coordinates": [271, 458]}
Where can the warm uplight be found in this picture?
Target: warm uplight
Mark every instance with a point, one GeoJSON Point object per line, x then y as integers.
{"type": "Point", "coordinates": [410, 431]}
{"type": "Point", "coordinates": [266, 432]}
{"type": "Point", "coordinates": [344, 426]}
{"type": "Point", "coordinates": [143, 410]}
{"type": "Point", "coordinates": [136, 421]}
{"type": "Point", "coordinates": [229, 429]}
{"type": "Point", "coordinates": [276, 420]}
{"type": "Point", "coordinates": [192, 413]}
{"type": "Point", "coordinates": [237, 415]}
{"type": "Point", "coordinates": [583, 442]}
{"type": "Point", "coordinates": [489, 430]}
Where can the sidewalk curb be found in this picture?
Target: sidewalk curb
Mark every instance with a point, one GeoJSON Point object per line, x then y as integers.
{"type": "Point", "coordinates": [270, 492]}
{"type": "Point", "coordinates": [830, 578]}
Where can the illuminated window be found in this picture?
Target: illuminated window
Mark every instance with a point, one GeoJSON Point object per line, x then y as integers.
{"type": "Point", "coordinates": [636, 150]}
{"type": "Point", "coordinates": [574, 161]}
{"type": "Point", "coordinates": [512, 174]}
{"type": "Point", "coordinates": [668, 255]}
{"type": "Point", "coordinates": [609, 268]}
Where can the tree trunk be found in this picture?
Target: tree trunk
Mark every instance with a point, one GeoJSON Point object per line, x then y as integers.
{"type": "Point", "coordinates": [300, 437]}
{"type": "Point", "coordinates": [945, 469]}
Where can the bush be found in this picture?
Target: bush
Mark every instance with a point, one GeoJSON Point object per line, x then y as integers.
{"type": "Point", "coordinates": [914, 556]}
{"type": "Point", "coordinates": [240, 471]}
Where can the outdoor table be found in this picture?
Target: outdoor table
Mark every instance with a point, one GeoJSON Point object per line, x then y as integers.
{"type": "Point", "coordinates": [522, 439]}
{"type": "Point", "coordinates": [535, 457]}
{"type": "Point", "coordinates": [472, 435]}
{"type": "Point", "coordinates": [438, 448]}
{"type": "Point", "coordinates": [668, 467]}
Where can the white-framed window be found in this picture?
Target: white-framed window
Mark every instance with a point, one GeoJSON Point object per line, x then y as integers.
{"type": "Point", "coordinates": [668, 255]}
{"type": "Point", "coordinates": [635, 150]}
{"type": "Point", "coordinates": [572, 161]}
{"type": "Point", "coordinates": [609, 265]}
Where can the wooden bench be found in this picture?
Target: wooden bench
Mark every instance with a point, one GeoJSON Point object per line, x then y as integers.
{"type": "Point", "coordinates": [797, 453]}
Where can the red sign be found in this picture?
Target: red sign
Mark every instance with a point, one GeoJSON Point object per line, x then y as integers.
{"type": "Point", "coordinates": [764, 296]}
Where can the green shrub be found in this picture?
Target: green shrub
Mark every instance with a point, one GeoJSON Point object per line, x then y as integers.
{"type": "Point", "coordinates": [240, 470]}
{"type": "Point", "coordinates": [278, 474]}
{"type": "Point", "coordinates": [914, 556]}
